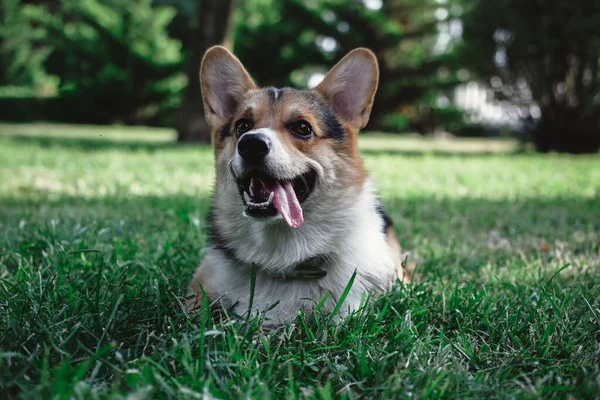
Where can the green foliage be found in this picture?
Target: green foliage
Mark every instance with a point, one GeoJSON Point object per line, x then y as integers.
{"type": "Point", "coordinates": [21, 60]}
{"type": "Point", "coordinates": [397, 122]}
{"type": "Point", "coordinates": [114, 60]}
{"type": "Point", "coordinates": [543, 52]}
{"type": "Point", "coordinates": [102, 228]}
{"type": "Point", "coordinates": [285, 42]}
{"type": "Point", "coordinates": [122, 61]}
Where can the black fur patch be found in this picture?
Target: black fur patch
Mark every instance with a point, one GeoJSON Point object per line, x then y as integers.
{"type": "Point", "coordinates": [387, 221]}
{"type": "Point", "coordinates": [217, 240]}
{"type": "Point", "coordinates": [333, 128]}
{"type": "Point", "coordinates": [225, 129]}
{"type": "Point", "coordinates": [274, 94]}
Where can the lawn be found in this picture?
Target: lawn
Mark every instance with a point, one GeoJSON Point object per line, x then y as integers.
{"type": "Point", "coordinates": [101, 228]}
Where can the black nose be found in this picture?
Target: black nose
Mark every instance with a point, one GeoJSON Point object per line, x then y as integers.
{"type": "Point", "coordinates": [253, 146]}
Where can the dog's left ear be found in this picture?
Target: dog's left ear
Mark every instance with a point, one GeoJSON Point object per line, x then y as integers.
{"type": "Point", "coordinates": [224, 81]}
{"type": "Point", "coordinates": [350, 87]}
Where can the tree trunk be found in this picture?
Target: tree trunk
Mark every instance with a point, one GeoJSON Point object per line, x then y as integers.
{"type": "Point", "coordinates": [213, 21]}
{"type": "Point", "coordinates": [566, 130]}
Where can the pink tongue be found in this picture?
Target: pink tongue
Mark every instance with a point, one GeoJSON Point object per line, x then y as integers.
{"type": "Point", "coordinates": [286, 203]}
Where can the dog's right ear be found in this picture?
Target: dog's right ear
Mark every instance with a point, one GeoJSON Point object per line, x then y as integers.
{"type": "Point", "coordinates": [224, 81]}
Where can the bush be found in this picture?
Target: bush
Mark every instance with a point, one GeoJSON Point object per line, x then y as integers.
{"type": "Point", "coordinates": [113, 59]}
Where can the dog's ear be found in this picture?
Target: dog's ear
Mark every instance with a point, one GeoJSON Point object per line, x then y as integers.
{"type": "Point", "coordinates": [224, 81]}
{"type": "Point", "coordinates": [350, 86]}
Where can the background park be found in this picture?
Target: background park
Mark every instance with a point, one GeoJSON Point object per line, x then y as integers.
{"type": "Point", "coordinates": [484, 142]}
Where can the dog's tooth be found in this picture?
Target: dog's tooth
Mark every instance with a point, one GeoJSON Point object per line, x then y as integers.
{"type": "Point", "coordinates": [247, 197]}
{"type": "Point", "coordinates": [252, 186]}
{"type": "Point", "coordinates": [270, 197]}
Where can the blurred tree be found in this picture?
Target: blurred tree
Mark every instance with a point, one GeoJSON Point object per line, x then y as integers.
{"type": "Point", "coordinates": [541, 54]}
{"type": "Point", "coordinates": [121, 60]}
{"type": "Point", "coordinates": [114, 60]}
{"type": "Point", "coordinates": [289, 42]}
{"type": "Point", "coordinates": [22, 62]}
{"type": "Point", "coordinates": [211, 28]}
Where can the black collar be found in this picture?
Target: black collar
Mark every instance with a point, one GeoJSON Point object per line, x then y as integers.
{"type": "Point", "coordinates": [307, 269]}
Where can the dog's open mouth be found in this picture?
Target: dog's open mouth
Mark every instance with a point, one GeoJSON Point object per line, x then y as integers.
{"type": "Point", "coordinates": [265, 196]}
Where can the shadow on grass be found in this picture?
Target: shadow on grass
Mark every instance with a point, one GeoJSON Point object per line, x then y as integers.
{"type": "Point", "coordinates": [437, 153]}
{"type": "Point", "coordinates": [450, 229]}
{"type": "Point", "coordinates": [472, 209]}
{"type": "Point", "coordinates": [93, 144]}
{"type": "Point", "coordinates": [96, 142]}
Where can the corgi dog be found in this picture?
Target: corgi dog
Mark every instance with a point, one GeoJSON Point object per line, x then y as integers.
{"type": "Point", "coordinates": [293, 207]}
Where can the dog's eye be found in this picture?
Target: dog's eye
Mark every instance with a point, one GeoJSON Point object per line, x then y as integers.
{"type": "Point", "coordinates": [301, 128]}
{"type": "Point", "coordinates": [242, 126]}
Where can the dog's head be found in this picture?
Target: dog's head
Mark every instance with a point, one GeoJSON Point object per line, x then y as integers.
{"type": "Point", "coordinates": [287, 151]}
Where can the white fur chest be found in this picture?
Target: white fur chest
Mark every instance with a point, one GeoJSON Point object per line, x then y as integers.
{"type": "Point", "coordinates": [352, 237]}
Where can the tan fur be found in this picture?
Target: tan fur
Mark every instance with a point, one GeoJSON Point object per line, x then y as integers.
{"type": "Point", "coordinates": [213, 59]}
{"type": "Point", "coordinates": [404, 273]}
{"type": "Point", "coordinates": [293, 106]}
{"type": "Point", "coordinates": [200, 281]}
{"type": "Point", "coordinates": [330, 85]}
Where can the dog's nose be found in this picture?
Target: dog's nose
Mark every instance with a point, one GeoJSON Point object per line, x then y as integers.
{"type": "Point", "coordinates": [253, 146]}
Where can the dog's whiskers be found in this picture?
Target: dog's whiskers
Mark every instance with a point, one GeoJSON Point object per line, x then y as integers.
{"type": "Point", "coordinates": [230, 173]}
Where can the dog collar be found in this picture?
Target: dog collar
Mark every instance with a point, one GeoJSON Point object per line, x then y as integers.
{"type": "Point", "coordinates": [307, 269]}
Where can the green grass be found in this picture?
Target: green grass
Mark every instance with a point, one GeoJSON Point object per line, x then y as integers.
{"type": "Point", "coordinates": [101, 228]}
